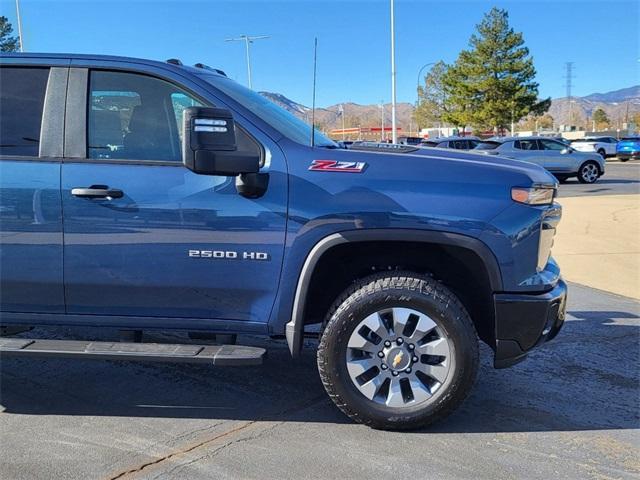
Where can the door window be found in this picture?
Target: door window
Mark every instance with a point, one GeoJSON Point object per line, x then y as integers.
{"type": "Point", "coordinates": [135, 117]}
{"type": "Point", "coordinates": [551, 145]}
{"type": "Point", "coordinates": [22, 92]}
{"type": "Point", "coordinates": [526, 145]}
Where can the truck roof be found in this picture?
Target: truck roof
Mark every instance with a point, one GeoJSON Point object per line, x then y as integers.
{"type": "Point", "coordinates": [170, 63]}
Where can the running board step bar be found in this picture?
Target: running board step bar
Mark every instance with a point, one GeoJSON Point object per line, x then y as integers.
{"type": "Point", "coordinates": [221, 355]}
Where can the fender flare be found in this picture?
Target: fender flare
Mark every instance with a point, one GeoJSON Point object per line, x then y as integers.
{"type": "Point", "coordinates": [294, 329]}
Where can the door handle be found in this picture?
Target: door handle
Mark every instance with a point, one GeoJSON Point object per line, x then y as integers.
{"type": "Point", "coordinates": [97, 191]}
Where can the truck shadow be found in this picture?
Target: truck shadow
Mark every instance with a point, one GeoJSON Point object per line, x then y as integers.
{"type": "Point", "coordinates": [586, 379]}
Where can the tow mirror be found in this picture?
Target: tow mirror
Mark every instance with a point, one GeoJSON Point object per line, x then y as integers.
{"type": "Point", "coordinates": [209, 144]}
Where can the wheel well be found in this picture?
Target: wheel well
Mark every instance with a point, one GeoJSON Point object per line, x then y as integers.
{"type": "Point", "coordinates": [460, 269]}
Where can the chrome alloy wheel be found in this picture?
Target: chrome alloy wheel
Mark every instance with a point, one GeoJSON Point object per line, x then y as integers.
{"type": "Point", "coordinates": [589, 172]}
{"type": "Point", "coordinates": [398, 357]}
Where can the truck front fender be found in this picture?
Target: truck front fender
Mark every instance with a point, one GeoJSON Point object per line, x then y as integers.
{"type": "Point", "coordinates": [294, 329]}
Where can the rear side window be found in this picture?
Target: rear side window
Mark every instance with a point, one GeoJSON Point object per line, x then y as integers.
{"type": "Point", "coordinates": [22, 92]}
{"type": "Point", "coordinates": [487, 145]}
{"type": "Point", "coordinates": [135, 117]}
{"type": "Point", "coordinates": [526, 145]}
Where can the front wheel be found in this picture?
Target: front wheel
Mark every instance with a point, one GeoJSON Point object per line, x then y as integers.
{"type": "Point", "coordinates": [588, 172]}
{"type": "Point", "coordinates": [398, 351]}
{"type": "Point", "coordinates": [602, 153]}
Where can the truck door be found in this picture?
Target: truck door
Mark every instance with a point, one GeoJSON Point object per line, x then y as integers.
{"type": "Point", "coordinates": [30, 207]}
{"type": "Point", "coordinates": [161, 241]}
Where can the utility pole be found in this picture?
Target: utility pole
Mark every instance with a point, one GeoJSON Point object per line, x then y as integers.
{"type": "Point", "coordinates": [19, 26]}
{"type": "Point", "coordinates": [248, 40]}
{"type": "Point", "coordinates": [394, 134]}
{"type": "Point", "coordinates": [569, 77]}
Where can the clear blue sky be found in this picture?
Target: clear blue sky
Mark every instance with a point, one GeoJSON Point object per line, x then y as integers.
{"type": "Point", "coordinates": [353, 53]}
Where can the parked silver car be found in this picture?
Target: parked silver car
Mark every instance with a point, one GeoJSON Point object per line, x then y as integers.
{"type": "Point", "coordinates": [560, 159]}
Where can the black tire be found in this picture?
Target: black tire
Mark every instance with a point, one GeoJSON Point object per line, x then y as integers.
{"type": "Point", "coordinates": [585, 172]}
{"type": "Point", "coordinates": [562, 178]}
{"type": "Point", "coordinates": [407, 290]}
{"type": "Point", "coordinates": [602, 153]}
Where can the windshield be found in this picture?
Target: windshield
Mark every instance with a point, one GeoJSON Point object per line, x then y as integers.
{"type": "Point", "coordinates": [487, 146]}
{"type": "Point", "coordinates": [286, 123]}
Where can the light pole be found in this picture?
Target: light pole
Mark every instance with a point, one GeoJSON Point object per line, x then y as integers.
{"type": "Point", "coordinates": [341, 110]}
{"type": "Point", "coordinates": [19, 25]}
{"type": "Point", "coordinates": [247, 39]}
{"type": "Point", "coordinates": [382, 120]}
{"type": "Point", "coordinates": [394, 134]}
{"type": "Point", "coordinates": [418, 89]}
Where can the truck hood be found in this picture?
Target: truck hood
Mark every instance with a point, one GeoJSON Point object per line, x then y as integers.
{"type": "Point", "coordinates": [536, 173]}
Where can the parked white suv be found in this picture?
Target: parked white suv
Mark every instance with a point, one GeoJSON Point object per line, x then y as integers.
{"type": "Point", "coordinates": [561, 160]}
{"type": "Point", "coordinates": [605, 146]}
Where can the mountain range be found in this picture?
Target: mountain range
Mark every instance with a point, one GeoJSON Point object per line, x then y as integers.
{"type": "Point", "coordinates": [619, 105]}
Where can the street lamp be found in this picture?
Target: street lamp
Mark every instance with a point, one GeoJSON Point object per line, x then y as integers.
{"type": "Point", "coordinates": [418, 89]}
{"type": "Point", "coordinates": [420, 74]}
{"type": "Point", "coordinates": [394, 133]}
{"type": "Point", "coordinates": [341, 110]}
{"type": "Point", "coordinates": [247, 39]}
{"type": "Point", "coordinates": [19, 25]}
{"type": "Point", "coordinates": [381, 120]}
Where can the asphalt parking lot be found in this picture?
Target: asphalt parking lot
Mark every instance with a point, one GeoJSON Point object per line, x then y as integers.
{"type": "Point", "coordinates": [619, 179]}
{"type": "Point", "coordinates": [570, 411]}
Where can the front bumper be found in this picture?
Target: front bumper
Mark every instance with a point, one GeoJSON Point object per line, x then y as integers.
{"type": "Point", "coordinates": [524, 321]}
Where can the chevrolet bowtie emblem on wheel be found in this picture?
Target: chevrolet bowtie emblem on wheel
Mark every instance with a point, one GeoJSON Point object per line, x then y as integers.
{"type": "Point", "coordinates": [397, 359]}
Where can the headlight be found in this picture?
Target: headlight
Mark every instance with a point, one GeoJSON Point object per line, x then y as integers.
{"type": "Point", "coordinates": [533, 195]}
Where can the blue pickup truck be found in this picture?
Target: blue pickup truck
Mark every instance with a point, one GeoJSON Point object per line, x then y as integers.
{"type": "Point", "coordinates": [142, 195]}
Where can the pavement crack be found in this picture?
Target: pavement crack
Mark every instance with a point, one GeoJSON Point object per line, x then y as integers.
{"type": "Point", "coordinates": [179, 452]}
{"type": "Point", "coordinates": [214, 453]}
{"type": "Point", "coordinates": [191, 447]}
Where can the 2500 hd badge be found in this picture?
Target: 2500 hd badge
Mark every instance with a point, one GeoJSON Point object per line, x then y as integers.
{"type": "Point", "coordinates": [229, 255]}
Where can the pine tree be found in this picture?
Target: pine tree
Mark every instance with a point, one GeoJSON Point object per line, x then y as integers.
{"type": "Point", "coordinates": [600, 117]}
{"type": "Point", "coordinates": [433, 102]}
{"type": "Point", "coordinates": [493, 83]}
{"type": "Point", "coordinates": [7, 42]}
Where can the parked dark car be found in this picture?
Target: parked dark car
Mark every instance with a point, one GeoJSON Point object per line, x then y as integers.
{"type": "Point", "coordinates": [410, 140]}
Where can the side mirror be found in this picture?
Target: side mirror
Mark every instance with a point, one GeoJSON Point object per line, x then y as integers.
{"type": "Point", "coordinates": [209, 144]}
{"type": "Point", "coordinates": [566, 150]}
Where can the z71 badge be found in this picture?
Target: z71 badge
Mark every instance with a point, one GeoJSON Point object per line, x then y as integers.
{"type": "Point", "coordinates": [335, 166]}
